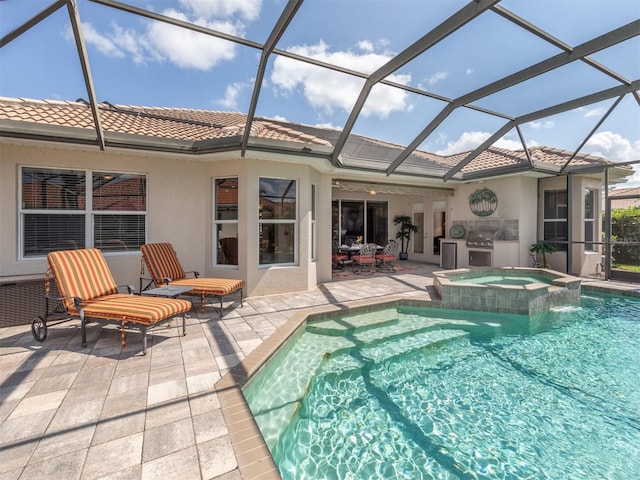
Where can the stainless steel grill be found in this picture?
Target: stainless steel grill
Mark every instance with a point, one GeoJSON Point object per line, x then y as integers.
{"type": "Point", "coordinates": [481, 238]}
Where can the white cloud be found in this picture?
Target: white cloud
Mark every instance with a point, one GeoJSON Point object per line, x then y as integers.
{"type": "Point", "coordinates": [328, 125]}
{"type": "Point", "coordinates": [539, 125]}
{"type": "Point", "coordinates": [615, 147]}
{"type": "Point", "coordinates": [437, 77]}
{"type": "Point", "coordinates": [185, 48]}
{"type": "Point", "coordinates": [633, 180]}
{"type": "Point", "coordinates": [328, 90]}
{"type": "Point", "coordinates": [366, 46]}
{"type": "Point", "coordinates": [189, 49]}
{"type": "Point", "coordinates": [105, 45]}
{"type": "Point", "coordinates": [595, 112]}
{"type": "Point", "coordinates": [470, 140]}
{"type": "Point", "coordinates": [231, 94]}
{"type": "Point", "coordinates": [248, 9]}
{"type": "Point", "coordinates": [469, 71]}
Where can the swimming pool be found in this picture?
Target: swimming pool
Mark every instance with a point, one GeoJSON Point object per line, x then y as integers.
{"type": "Point", "coordinates": [432, 393]}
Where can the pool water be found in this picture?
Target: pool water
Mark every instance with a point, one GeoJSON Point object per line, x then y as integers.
{"type": "Point", "coordinates": [506, 280]}
{"type": "Point", "coordinates": [422, 394]}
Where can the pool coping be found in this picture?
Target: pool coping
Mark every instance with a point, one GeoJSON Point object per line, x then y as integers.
{"type": "Point", "coordinates": [252, 453]}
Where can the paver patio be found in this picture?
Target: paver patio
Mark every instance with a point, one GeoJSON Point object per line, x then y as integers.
{"type": "Point", "coordinates": [101, 412]}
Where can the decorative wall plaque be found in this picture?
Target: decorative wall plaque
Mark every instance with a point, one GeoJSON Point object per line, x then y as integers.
{"type": "Point", "coordinates": [483, 202]}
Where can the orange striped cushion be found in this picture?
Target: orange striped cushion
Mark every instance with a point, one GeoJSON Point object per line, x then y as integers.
{"type": "Point", "coordinates": [211, 286]}
{"type": "Point", "coordinates": [133, 308]}
{"type": "Point", "coordinates": [162, 261]}
{"type": "Point", "coordinates": [81, 273]}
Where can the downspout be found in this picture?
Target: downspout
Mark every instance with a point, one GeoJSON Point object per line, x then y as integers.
{"type": "Point", "coordinates": [570, 223]}
{"type": "Point", "coordinates": [607, 227]}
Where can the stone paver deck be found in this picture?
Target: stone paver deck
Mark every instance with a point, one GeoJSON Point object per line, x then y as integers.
{"type": "Point", "coordinates": [101, 412]}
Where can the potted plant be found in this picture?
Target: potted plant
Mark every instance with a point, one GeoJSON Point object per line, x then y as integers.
{"type": "Point", "coordinates": [543, 248]}
{"type": "Point", "coordinates": [404, 234]}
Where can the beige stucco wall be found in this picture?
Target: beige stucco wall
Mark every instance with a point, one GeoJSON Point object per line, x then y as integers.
{"type": "Point", "coordinates": [517, 199]}
{"type": "Point", "coordinates": [178, 201]}
{"type": "Point", "coordinates": [180, 194]}
{"type": "Point", "coordinates": [582, 262]}
{"type": "Point", "coordinates": [179, 212]}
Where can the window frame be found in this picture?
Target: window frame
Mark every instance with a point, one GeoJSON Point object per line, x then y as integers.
{"type": "Point", "coordinates": [89, 212]}
{"type": "Point", "coordinates": [279, 221]}
{"type": "Point", "coordinates": [314, 206]}
{"type": "Point", "coordinates": [221, 222]}
{"type": "Point", "coordinates": [590, 222]}
{"type": "Point", "coordinates": [557, 219]}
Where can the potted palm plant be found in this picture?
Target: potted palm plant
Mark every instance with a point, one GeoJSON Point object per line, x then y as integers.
{"type": "Point", "coordinates": [404, 234]}
{"type": "Point", "coordinates": [543, 248]}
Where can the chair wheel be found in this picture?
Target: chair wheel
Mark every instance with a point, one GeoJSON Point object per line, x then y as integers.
{"type": "Point", "coordinates": [39, 329]}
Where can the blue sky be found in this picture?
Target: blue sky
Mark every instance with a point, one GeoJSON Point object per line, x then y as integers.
{"type": "Point", "coordinates": [137, 61]}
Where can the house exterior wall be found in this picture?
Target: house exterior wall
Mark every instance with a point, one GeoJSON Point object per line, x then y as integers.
{"type": "Point", "coordinates": [180, 211]}
{"type": "Point", "coordinates": [514, 217]}
{"type": "Point", "coordinates": [582, 262]}
{"type": "Point", "coordinates": [178, 201]}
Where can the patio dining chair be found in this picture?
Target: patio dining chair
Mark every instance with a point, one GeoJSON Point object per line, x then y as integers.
{"type": "Point", "coordinates": [88, 292]}
{"type": "Point", "coordinates": [165, 269]}
{"type": "Point", "coordinates": [338, 258]}
{"type": "Point", "coordinates": [365, 260]}
{"type": "Point", "coordinates": [385, 260]}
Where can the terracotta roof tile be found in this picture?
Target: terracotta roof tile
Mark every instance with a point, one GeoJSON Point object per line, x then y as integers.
{"type": "Point", "coordinates": [196, 125]}
{"type": "Point", "coordinates": [164, 122]}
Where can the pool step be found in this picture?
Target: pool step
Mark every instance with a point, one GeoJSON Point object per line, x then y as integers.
{"type": "Point", "coordinates": [353, 323]}
{"type": "Point", "coordinates": [343, 361]}
{"type": "Point", "coordinates": [346, 330]}
{"type": "Point", "coordinates": [352, 341]}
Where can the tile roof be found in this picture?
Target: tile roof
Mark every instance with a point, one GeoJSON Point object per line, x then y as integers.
{"type": "Point", "coordinates": [192, 125]}
{"type": "Point", "coordinates": [163, 122]}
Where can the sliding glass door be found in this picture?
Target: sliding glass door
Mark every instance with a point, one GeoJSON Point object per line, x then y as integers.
{"type": "Point", "coordinates": [366, 221]}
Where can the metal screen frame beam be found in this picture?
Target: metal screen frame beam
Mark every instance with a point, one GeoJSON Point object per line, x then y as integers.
{"type": "Point", "coordinates": [545, 112]}
{"type": "Point", "coordinates": [581, 51]}
{"type": "Point", "coordinates": [439, 33]}
{"type": "Point", "coordinates": [283, 22]}
{"type": "Point", "coordinates": [74, 18]}
{"type": "Point", "coordinates": [54, 7]}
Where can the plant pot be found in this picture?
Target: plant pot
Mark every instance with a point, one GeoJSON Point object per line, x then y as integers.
{"type": "Point", "coordinates": [403, 256]}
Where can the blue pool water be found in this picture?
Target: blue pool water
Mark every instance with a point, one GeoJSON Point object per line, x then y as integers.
{"type": "Point", "coordinates": [506, 280]}
{"type": "Point", "coordinates": [496, 279]}
{"type": "Point", "coordinates": [425, 394]}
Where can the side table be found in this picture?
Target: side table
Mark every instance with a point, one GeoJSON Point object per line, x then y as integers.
{"type": "Point", "coordinates": [171, 291]}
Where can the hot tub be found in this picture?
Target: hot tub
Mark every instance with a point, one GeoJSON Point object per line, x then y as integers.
{"type": "Point", "coordinates": [506, 290]}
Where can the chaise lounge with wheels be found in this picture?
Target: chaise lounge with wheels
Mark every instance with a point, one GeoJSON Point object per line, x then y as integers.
{"type": "Point", "coordinates": [88, 292]}
{"type": "Point", "coordinates": [165, 269]}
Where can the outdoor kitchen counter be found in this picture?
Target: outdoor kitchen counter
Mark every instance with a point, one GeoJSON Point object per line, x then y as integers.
{"type": "Point", "coordinates": [505, 253]}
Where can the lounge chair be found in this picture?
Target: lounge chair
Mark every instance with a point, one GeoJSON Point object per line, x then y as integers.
{"type": "Point", "coordinates": [164, 268]}
{"type": "Point", "coordinates": [88, 292]}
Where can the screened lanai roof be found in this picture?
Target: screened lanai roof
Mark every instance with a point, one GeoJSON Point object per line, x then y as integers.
{"type": "Point", "coordinates": [440, 89]}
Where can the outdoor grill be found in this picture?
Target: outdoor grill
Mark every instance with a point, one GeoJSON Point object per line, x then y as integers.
{"type": "Point", "coordinates": [481, 238]}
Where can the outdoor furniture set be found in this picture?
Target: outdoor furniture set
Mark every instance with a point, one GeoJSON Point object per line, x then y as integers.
{"type": "Point", "coordinates": [88, 292]}
{"type": "Point", "coordinates": [366, 258]}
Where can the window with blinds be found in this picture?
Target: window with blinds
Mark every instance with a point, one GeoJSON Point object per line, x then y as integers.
{"type": "Point", "coordinates": [67, 209]}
